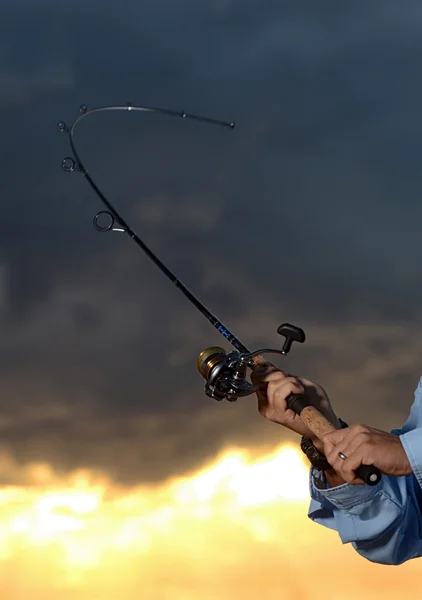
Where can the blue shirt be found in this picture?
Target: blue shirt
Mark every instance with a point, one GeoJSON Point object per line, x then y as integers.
{"type": "Point", "coordinates": [383, 522]}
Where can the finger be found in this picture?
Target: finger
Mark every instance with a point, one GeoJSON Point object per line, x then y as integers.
{"type": "Point", "coordinates": [309, 383]}
{"type": "Point", "coordinates": [264, 378]}
{"type": "Point", "coordinates": [353, 447]}
{"type": "Point", "coordinates": [348, 468]}
{"type": "Point", "coordinates": [355, 434]}
{"type": "Point", "coordinates": [279, 390]}
{"type": "Point", "coordinates": [334, 438]}
{"type": "Point", "coordinates": [275, 375]}
{"type": "Point", "coordinates": [338, 464]}
{"type": "Point", "coordinates": [260, 374]}
{"type": "Point", "coordinates": [337, 435]}
{"type": "Point", "coordinates": [298, 387]}
{"type": "Point", "coordinates": [334, 442]}
{"type": "Point", "coordinates": [351, 465]}
{"type": "Point", "coordinates": [268, 376]}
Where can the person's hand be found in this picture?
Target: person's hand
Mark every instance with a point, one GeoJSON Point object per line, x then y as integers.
{"type": "Point", "coordinates": [272, 403]}
{"type": "Point", "coordinates": [365, 445]}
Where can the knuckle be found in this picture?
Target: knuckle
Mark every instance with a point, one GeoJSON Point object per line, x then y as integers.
{"type": "Point", "coordinates": [328, 454]}
{"type": "Point", "coordinates": [274, 377]}
{"type": "Point", "coordinates": [360, 428]}
{"type": "Point", "coordinates": [279, 387]}
{"type": "Point", "coordinates": [272, 388]}
{"type": "Point", "coordinates": [275, 392]}
{"type": "Point", "coordinates": [293, 387]}
{"type": "Point", "coordinates": [365, 447]}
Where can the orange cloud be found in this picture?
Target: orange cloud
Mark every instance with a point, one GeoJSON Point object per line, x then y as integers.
{"type": "Point", "coordinates": [237, 528]}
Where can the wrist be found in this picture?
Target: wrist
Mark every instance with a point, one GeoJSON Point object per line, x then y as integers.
{"type": "Point", "coordinates": [333, 478]}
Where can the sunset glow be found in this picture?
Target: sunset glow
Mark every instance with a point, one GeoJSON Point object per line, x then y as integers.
{"type": "Point", "coordinates": [227, 530]}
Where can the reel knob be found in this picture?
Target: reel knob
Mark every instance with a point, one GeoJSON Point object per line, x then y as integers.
{"type": "Point", "coordinates": [208, 359]}
{"type": "Point", "coordinates": [292, 334]}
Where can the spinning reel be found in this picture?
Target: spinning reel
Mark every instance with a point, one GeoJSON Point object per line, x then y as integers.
{"type": "Point", "coordinates": [226, 373]}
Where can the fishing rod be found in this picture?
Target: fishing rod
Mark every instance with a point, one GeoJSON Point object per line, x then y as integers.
{"type": "Point", "coordinates": [225, 373]}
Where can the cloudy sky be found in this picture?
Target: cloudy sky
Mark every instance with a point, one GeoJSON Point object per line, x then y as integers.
{"type": "Point", "coordinates": [308, 212]}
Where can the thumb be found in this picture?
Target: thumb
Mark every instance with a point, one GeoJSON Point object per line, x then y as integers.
{"type": "Point", "coordinates": [258, 375]}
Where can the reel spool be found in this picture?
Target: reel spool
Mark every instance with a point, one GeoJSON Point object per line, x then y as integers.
{"type": "Point", "coordinates": [226, 373]}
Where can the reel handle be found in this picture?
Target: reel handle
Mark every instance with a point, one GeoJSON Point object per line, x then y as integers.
{"type": "Point", "coordinates": [320, 426]}
{"type": "Point", "coordinates": [291, 333]}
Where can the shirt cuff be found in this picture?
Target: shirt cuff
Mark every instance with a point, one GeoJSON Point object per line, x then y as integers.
{"type": "Point", "coordinates": [344, 497]}
{"type": "Point", "coordinates": [412, 444]}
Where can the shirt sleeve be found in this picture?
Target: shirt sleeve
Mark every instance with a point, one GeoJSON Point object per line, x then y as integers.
{"type": "Point", "coordinates": [383, 522]}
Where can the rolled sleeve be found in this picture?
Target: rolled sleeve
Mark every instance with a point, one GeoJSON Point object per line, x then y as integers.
{"type": "Point", "coordinates": [344, 497]}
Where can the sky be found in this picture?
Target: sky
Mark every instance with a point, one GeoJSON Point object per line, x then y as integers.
{"type": "Point", "coordinates": [307, 212]}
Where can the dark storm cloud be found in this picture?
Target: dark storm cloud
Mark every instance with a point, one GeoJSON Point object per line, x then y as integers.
{"type": "Point", "coordinates": [308, 211]}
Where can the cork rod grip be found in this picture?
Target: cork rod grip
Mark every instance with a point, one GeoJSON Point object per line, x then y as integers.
{"type": "Point", "coordinates": [320, 426]}
{"type": "Point", "coordinates": [316, 422]}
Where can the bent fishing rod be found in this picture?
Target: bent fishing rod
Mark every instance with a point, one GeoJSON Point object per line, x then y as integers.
{"type": "Point", "coordinates": [225, 373]}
